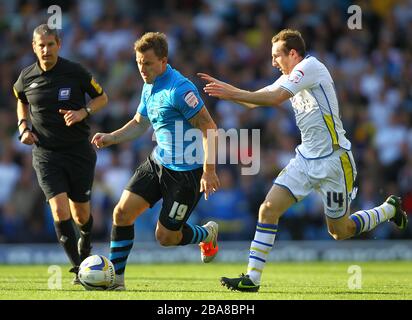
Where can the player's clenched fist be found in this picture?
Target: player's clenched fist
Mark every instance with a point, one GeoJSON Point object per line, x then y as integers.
{"type": "Point", "coordinates": [102, 140]}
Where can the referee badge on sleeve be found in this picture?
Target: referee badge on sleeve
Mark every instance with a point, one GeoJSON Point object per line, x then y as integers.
{"type": "Point", "coordinates": [16, 94]}
{"type": "Point", "coordinates": [64, 94]}
{"type": "Point", "coordinates": [96, 86]}
{"type": "Point", "coordinates": [191, 99]}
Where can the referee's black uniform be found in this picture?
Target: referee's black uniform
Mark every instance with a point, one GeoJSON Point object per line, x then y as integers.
{"type": "Point", "coordinates": [63, 158]}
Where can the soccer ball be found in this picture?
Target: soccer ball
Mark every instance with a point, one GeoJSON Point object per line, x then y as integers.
{"type": "Point", "coordinates": [96, 273]}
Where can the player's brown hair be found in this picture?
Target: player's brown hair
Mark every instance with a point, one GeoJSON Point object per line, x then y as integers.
{"type": "Point", "coordinates": [292, 40]}
{"type": "Point", "coordinates": [153, 40]}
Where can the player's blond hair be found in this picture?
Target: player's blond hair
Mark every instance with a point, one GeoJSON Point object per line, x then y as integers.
{"type": "Point", "coordinates": [292, 40]}
{"type": "Point", "coordinates": [152, 40]}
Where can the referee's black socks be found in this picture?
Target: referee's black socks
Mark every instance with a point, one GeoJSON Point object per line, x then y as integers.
{"type": "Point", "coordinates": [85, 238]}
{"type": "Point", "coordinates": [87, 227]}
{"type": "Point", "coordinates": [66, 234]}
{"type": "Point", "coordinates": [85, 232]}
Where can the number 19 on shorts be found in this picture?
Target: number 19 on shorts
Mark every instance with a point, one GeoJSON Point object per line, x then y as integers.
{"type": "Point", "coordinates": [178, 211]}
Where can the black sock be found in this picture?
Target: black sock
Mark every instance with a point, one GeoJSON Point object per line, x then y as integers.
{"type": "Point", "coordinates": [66, 235]}
{"type": "Point", "coordinates": [87, 227]}
{"type": "Point", "coordinates": [192, 234]}
{"type": "Point", "coordinates": [120, 246]}
{"type": "Point", "coordinates": [85, 232]}
{"type": "Point", "coordinates": [84, 244]}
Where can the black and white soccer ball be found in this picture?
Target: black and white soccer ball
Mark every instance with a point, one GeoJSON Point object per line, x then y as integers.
{"type": "Point", "coordinates": [96, 273]}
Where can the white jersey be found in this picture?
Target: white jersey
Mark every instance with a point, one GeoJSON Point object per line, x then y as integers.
{"type": "Point", "coordinates": [316, 108]}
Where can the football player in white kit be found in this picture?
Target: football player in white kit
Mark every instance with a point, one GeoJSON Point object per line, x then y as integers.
{"type": "Point", "coordinates": [323, 160]}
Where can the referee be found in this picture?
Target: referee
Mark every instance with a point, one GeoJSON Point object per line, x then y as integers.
{"type": "Point", "coordinates": [51, 95]}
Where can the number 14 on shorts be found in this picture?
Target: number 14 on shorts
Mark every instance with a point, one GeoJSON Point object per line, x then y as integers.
{"type": "Point", "coordinates": [336, 197]}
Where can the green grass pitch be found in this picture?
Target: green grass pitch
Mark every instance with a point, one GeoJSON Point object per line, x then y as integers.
{"type": "Point", "coordinates": [314, 280]}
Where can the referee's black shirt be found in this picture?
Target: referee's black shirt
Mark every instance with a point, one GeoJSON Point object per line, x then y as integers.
{"type": "Point", "coordinates": [62, 87]}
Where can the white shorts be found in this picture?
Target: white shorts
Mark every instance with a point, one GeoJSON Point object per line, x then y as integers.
{"type": "Point", "coordinates": [333, 177]}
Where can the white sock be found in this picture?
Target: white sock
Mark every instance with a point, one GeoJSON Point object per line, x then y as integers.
{"type": "Point", "coordinates": [120, 279]}
{"type": "Point", "coordinates": [260, 249]}
{"type": "Point", "coordinates": [366, 220]}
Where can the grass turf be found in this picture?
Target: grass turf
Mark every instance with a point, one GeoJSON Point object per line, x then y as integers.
{"type": "Point", "coordinates": [314, 280]}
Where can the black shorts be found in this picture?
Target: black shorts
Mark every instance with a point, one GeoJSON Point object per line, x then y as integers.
{"type": "Point", "coordinates": [70, 170]}
{"type": "Point", "coordinates": [180, 191]}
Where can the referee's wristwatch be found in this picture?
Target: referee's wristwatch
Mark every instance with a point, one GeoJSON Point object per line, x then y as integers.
{"type": "Point", "coordinates": [88, 110]}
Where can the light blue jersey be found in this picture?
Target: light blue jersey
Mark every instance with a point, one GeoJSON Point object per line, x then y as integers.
{"type": "Point", "coordinates": [169, 103]}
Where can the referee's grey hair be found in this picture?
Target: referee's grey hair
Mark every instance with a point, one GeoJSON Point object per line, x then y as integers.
{"type": "Point", "coordinates": [45, 30]}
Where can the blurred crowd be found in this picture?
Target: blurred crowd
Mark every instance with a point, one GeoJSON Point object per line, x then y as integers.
{"type": "Point", "coordinates": [230, 39]}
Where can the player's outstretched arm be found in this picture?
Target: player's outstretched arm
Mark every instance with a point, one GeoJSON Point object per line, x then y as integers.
{"type": "Point", "coordinates": [208, 78]}
{"type": "Point", "coordinates": [222, 90]}
{"type": "Point", "coordinates": [272, 98]}
{"type": "Point", "coordinates": [130, 131]}
{"type": "Point", "coordinates": [211, 80]}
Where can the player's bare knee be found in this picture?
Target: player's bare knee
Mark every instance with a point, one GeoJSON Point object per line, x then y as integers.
{"type": "Point", "coordinates": [331, 233]}
{"type": "Point", "coordinates": [341, 235]}
{"type": "Point", "coordinates": [268, 211]}
{"type": "Point", "coordinates": [165, 239]}
{"type": "Point", "coordinates": [335, 235]}
{"type": "Point", "coordinates": [61, 214]}
{"type": "Point", "coordinates": [81, 218]}
{"type": "Point", "coordinates": [77, 220]}
{"type": "Point", "coordinates": [351, 228]}
{"type": "Point", "coordinates": [121, 217]}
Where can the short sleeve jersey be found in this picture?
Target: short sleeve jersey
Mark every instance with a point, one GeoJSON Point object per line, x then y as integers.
{"type": "Point", "coordinates": [169, 103]}
{"type": "Point", "coordinates": [316, 108]}
{"type": "Point", "coordinates": [63, 87]}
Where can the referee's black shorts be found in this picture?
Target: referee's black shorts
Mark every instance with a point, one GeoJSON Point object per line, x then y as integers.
{"type": "Point", "coordinates": [69, 170]}
{"type": "Point", "coordinates": [180, 191]}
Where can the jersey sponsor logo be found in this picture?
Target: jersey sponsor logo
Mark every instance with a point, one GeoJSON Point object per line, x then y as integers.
{"type": "Point", "coordinates": [191, 99]}
{"type": "Point", "coordinates": [303, 102]}
{"type": "Point", "coordinates": [64, 94]}
{"type": "Point", "coordinates": [33, 85]}
{"type": "Point", "coordinates": [296, 76]}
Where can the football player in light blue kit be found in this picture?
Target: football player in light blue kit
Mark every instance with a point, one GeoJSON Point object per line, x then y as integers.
{"type": "Point", "coordinates": [180, 168]}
